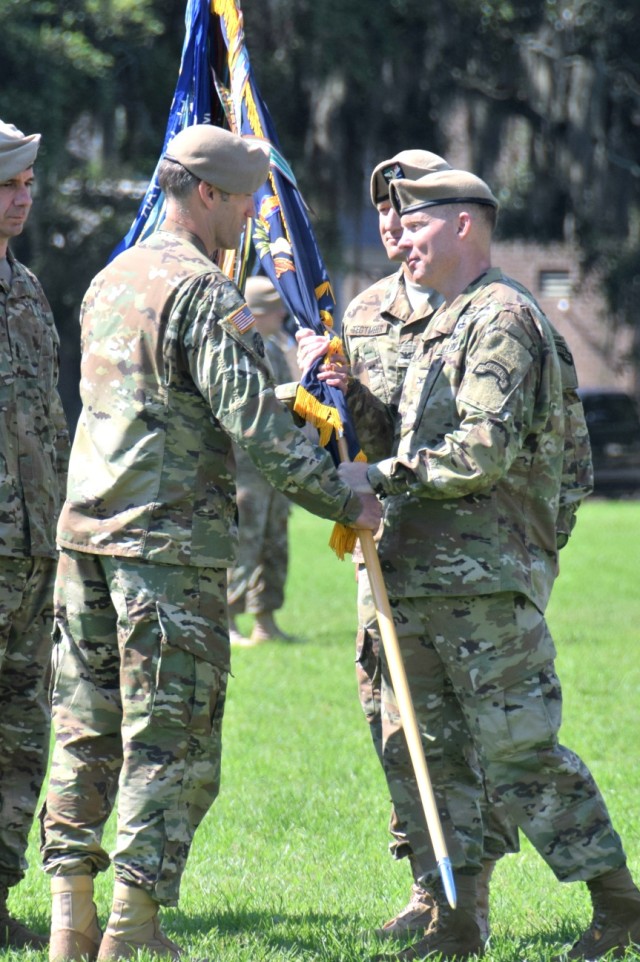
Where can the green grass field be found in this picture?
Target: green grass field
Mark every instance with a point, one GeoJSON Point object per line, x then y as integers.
{"type": "Point", "coordinates": [291, 862]}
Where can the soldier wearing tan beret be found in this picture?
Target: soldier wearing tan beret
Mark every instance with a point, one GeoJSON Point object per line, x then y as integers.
{"type": "Point", "coordinates": [380, 330]}
{"type": "Point", "coordinates": [233, 164]}
{"type": "Point", "coordinates": [33, 456]}
{"type": "Point", "coordinates": [173, 372]}
{"type": "Point", "coordinates": [478, 500]}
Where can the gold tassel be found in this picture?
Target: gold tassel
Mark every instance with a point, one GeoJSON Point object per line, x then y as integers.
{"type": "Point", "coordinates": [343, 540]}
{"type": "Point", "coordinates": [326, 419]}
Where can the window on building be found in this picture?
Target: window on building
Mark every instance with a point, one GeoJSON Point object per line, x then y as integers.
{"type": "Point", "coordinates": [554, 284]}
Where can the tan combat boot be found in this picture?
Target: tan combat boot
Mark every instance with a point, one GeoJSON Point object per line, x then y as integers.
{"type": "Point", "coordinates": [13, 934]}
{"type": "Point", "coordinates": [75, 933]}
{"type": "Point", "coordinates": [616, 917]}
{"type": "Point", "coordinates": [454, 934]}
{"type": "Point", "coordinates": [133, 925]}
{"type": "Point", "coordinates": [416, 916]}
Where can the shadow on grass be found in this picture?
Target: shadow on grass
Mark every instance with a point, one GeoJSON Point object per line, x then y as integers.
{"type": "Point", "coordinates": [327, 936]}
{"type": "Point", "coordinates": [550, 944]}
{"type": "Point", "coordinates": [331, 937]}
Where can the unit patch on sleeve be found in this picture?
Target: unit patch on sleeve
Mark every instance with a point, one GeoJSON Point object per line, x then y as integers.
{"type": "Point", "coordinates": [495, 370]}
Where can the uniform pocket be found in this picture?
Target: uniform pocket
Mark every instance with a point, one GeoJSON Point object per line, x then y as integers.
{"type": "Point", "coordinates": [514, 644]}
{"type": "Point", "coordinates": [189, 681]}
{"type": "Point", "coordinates": [521, 721]}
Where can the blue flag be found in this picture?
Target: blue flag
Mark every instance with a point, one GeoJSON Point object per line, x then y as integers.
{"type": "Point", "coordinates": [192, 104]}
{"type": "Point", "coordinates": [216, 85]}
{"type": "Point", "coordinates": [283, 237]}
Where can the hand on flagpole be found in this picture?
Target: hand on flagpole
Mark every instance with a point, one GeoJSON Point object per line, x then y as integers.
{"type": "Point", "coordinates": [311, 346]}
{"type": "Point", "coordinates": [354, 473]}
{"type": "Point", "coordinates": [371, 514]}
{"type": "Point", "coordinates": [335, 372]}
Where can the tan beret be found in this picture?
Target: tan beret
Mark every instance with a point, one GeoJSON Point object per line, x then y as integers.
{"type": "Point", "coordinates": [17, 152]}
{"type": "Point", "coordinates": [408, 165]}
{"type": "Point", "coordinates": [441, 187]}
{"type": "Point", "coordinates": [261, 295]}
{"type": "Point", "coordinates": [236, 165]}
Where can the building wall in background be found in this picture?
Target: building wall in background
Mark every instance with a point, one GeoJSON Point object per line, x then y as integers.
{"type": "Point", "coordinates": [574, 306]}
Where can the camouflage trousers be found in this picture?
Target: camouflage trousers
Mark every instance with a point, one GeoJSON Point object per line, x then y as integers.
{"type": "Point", "coordinates": [257, 581]}
{"type": "Point", "coordinates": [26, 614]}
{"type": "Point", "coordinates": [485, 665]}
{"type": "Point", "coordinates": [140, 667]}
{"type": "Point", "coordinates": [500, 835]}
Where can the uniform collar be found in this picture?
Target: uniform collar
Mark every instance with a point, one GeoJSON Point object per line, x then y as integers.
{"type": "Point", "coordinates": [178, 231]}
{"type": "Point", "coordinates": [396, 302]}
{"type": "Point", "coordinates": [13, 264]}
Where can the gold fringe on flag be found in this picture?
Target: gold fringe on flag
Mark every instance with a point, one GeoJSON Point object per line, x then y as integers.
{"type": "Point", "coordinates": [343, 540]}
{"type": "Point", "coordinates": [323, 417]}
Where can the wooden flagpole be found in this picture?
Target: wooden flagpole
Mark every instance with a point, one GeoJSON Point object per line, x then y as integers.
{"type": "Point", "coordinates": [400, 685]}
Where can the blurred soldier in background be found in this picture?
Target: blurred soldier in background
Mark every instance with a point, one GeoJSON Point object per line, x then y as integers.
{"type": "Point", "coordinates": [257, 581]}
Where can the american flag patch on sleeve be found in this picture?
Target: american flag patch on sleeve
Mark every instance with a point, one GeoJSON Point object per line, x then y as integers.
{"type": "Point", "coordinates": [242, 319]}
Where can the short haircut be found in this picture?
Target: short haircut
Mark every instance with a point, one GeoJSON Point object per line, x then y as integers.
{"type": "Point", "coordinates": [488, 214]}
{"type": "Point", "coordinates": [485, 213]}
{"type": "Point", "coordinates": [175, 180]}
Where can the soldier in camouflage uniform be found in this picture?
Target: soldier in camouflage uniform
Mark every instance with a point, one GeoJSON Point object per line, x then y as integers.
{"type": "Point", "coordinates": [380, 329]}
{"type": "Point", "coordinates": [257, 580]}
{"type": "Point", "coordinates": [173, 370]}
{"type": "Point", "coordinates": [33, 453]}
{"type": "Point", "coordinates": [471, 465]}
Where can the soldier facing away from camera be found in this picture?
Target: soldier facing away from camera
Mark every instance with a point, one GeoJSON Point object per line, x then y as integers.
{"type": "Point", "coordinates": [173, 371]}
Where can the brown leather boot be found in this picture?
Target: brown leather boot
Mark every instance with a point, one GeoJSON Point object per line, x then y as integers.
{"type": "Point", "coordinates": [616, 917]}
{"type": "Point", "coordinates": [13, 934]}
{"type": "Point", "coordinates": [133, 925]}
{"type": "Point", "coordinates": [454, 934]}
{"type": "Point", "coordinates": [75, 932]}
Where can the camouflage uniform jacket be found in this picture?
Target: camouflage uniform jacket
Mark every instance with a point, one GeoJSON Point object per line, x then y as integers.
{"type": "Point", "coordinates": [379, 329]}
{"type": "Point", "coordinates": [172, 371]}
{"type": "Point", "coordinates": [379, 332]}
{"type": "Point", "coordinates": [281, 373]}
{"type": "Point", "coordinates": [474, 484]}
{"type": "Point", "coordinates": [34, 442]}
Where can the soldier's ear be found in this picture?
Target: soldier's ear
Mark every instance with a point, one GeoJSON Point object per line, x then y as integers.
{"type": "Point", "coordinates": [207, 193]}
{"type": "Point", "coordinates": [464, 223]}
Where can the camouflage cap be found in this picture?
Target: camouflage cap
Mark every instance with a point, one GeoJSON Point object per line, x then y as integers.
{"type": "Point", "coordinates": [408, 165]}
{"type": "Point", "coordinates": [236, 165]}
{"type": "Point", "coordinates": [17, 151]}
{"type": "Point", "coordinates": [441, 187]}
{"type": "Point", "coordinates": [261, 295]}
